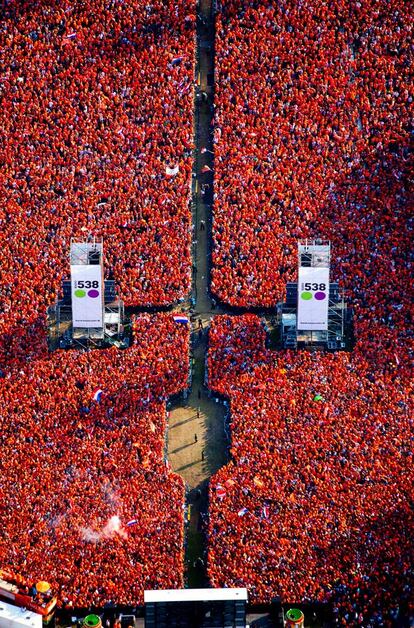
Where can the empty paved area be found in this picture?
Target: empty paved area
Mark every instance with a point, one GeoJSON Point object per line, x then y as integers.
{"type": "Point", "coordinates": [196, 460]}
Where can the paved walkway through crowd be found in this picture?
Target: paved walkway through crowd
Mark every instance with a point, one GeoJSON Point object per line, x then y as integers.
{"type": "Point", "coordinates": [197, 442]}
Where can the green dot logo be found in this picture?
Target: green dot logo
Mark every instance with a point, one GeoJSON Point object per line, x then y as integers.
{"type": "Point", "coordinates": [306, 296]}
{"type": "Point", "coordinates": [80, 293]}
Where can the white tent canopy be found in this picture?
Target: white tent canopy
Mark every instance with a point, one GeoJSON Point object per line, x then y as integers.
{"type": "Point", "coordinates": [17, 617]}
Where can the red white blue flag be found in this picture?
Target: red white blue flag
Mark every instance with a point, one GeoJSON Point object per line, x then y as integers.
{"type": "Point", "coordinates": [180, 318]}
{"type": "Point", "coordinates": [97, 394]}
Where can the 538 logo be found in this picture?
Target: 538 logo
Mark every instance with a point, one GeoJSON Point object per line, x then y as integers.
{"type": "Point", "coordinates": [86, 284]}
{"type": "Point", "coordinates": [87, 287]}
{"type": "Point", "coordinates": [313, 290]}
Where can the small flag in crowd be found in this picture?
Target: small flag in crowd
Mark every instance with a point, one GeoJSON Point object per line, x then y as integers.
{"type": "Point", "coordinates": [176, 61]}
{"type": "Point", "coordinates": [131, 523]}
{"type": "Point", "coordinates": [180, 318]}
{"type": "Point", "coordinates": [220, 492]}
{"type": "Point", "coordinates": [71, 36]}
{"type": "Point", "coordinates": [242, 512]}
{"type": "Point", "coordinates": [265, 511]}
{"type": "Point", "coordinates": [206, 168]}
{"type": "Point", "coordinates": [229, 483]}
{"type": "Point", "coordinates": [97, 394]}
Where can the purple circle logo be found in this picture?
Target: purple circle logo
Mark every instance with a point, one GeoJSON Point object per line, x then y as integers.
{"type": "Point", "coordinates": [93, 294]}
{"type": "Point", "coordinates": [319, 296]}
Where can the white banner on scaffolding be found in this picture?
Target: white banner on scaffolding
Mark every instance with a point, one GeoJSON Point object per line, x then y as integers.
{"type": "Point", "coordinates": [87, 295]}
{"type": "Point", "coordinates": [313, 299]}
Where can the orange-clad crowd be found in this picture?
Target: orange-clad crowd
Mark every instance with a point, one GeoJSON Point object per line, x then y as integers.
{"type": "Point", "coordinates": [313, 115]}
{"type": "Point", "coordinates": [95, 137]}
{"type": "Point", "coordinates": [74, 471]}
{"type": "Point", "coordinates": [312, 139]}
{"type": "Point", "coordinates": [318, 496]}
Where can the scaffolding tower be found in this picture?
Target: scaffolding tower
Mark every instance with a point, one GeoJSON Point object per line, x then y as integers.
{"type": "Point", "coordinates": [65, 330]}
{"type": "Point", "coordinates": [335, 332]}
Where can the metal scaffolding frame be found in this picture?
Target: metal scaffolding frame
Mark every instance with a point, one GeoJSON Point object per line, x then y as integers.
{"type": "Point", "coordinates": [82, 250]}
{"type": "Point", "coordinates": [335, 338]}
{"type": "Point", "coordinates": [62, 334]}
{"type": "Point", "coordinates": [315, 254]}
{"type": "Point", "coordinates": [319, 252]}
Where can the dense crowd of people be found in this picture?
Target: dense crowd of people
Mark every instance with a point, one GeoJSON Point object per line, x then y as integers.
{"type": "Point", "coordinates": [312, 116]}
{"type": "Point", "coordinates": [75, 471]}
{"type": "Point", "coordinates": [322, 460]}
{"type": "Point", "coordinates": [95, 137]}
{"type": "Point", "coordinates": [311, 137]}
{"type": "Point", "coordinates": [312, 140]}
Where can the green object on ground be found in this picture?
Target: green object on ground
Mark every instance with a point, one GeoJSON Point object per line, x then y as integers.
{"type": "Point", "coordinates": [294, 614]}
{"type": "Point", "coordinates": [92, 620]}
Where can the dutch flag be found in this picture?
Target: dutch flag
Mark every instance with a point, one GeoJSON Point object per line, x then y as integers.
{"type": "Point", "coordinates": [180, 318]}
{"type": "Point", "coordinates": [131, 523]}
{"type": "Point", "coordinates": [97, 394]}
{"type": "Point", "coordinates": [242, 512]}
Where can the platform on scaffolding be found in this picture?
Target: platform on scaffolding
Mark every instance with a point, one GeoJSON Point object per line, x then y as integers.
{"type": "Point", "coordinates": [314, 314]}
{"type": "Point", "coordinates": [89, 313]}
{"type": "Point", "coordinates": [115, 330]}
{"type": "Point", "coordinates": [337, 336]}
